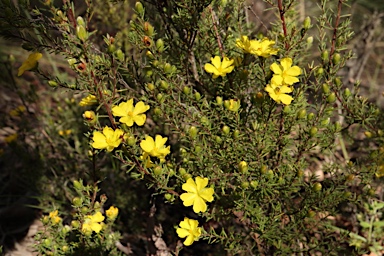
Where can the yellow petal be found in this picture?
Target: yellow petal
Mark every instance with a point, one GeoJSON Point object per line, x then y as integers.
{"type": "Point", "coordinates": [140, 108]}
{"type": "Point", "coordinates": [201, 183]}
{"type": "Point", "coordinates": [190, 186]}
{"type": "Point", "coordinates": [216, 62]}
{"type": "Point", "coordinates": [199, 205]}
{"type": "Point", "coordinates": [276, 69]}
{"type": "Point", "coordinates": [210, 68]}
{"type": "Point", "coordinates": [140, 119]}
{"type": "Point", "coordinates": [293, 71]}
{"type": "Point", "coordinates": [190, 239]}
{"type": "Point", "coordinates": [182, 232]}
{"type": "Point", "coordinates": [98, 217]}
{"type": "Point", "coordinates": [286, 99]}
{"type": "Point", "coordinates": [286, 63]}
{"type": "Point", "coordinates": [207, 194]}
{"type": "Point", "coordinates": [148, 144]}
{"type": "Point", "coordinates": [188, 199]}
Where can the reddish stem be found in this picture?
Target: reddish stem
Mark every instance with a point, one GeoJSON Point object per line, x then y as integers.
{"type": "Point", "coordinates": [284, 25]}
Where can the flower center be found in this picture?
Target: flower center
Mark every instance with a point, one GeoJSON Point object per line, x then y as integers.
{"type": "Point", "coordinates": [130, 113]}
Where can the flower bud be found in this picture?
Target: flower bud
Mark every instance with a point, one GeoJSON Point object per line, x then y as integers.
{"type": "Point", "coordinates": [311, 214]}
{"type": "Point", "coordinates": [269, 174]}
{"type": "Point", "coordinates": [52, 83]}
{"type": "Point", "coordinates": [187, 176]}
{"type": "Point", "coordinates": [243, 167]}
{"type": "Point", "coordinates": [325, 56]}
{"type": "Point", "coordinates": [167, 68]}
{"type": "Point", "coordinates": [219, 101]}
{"type": "Point", "coordinates": [337, 126]}
{"type": "Point", "coordinates": [160, 97]}
{"type": "Point", "coordinates": [158, 170]}
{"type": "Point", "coordinates": [317, 187]}
{"type": "Point", "coordinates": [347, 93]}
{"type": "Point", "coordinates": [120, 55]}
{"type": "Point", "coordinates": [198, 149]}
{"type": "Point", "coordinates": [337, 81]}
{"type": "Point", "coordinates": [197, 96]}
{"type": "Point", "coordinates": [186, 90]}
{"type": "Point", "coordinates": [150, 56]}
{"type": "Point", "coordinates": [313, 131]}
{"type": "Point", "coordinates": [307, 23]}
{"type": "Point", "coordinates": [245, 184]}
{"type": "Point", "coordinates": [193, 132]}
{"type": "Point", "coordinates": [326, 89]}
{"type": "Point", "coordinates": [160, 45]}
{"type": "Point", "coordinates": [320, 71]}
{"type": "Point", "coordinates": [218, 140]}
{"type": "Point", "coordinates": [168, 197]}
{"type": "Point", "coordinates": [264, 169]}
{"type": "Point", "coordinates": [78, 184]}
{"type": "Point", "coordinates": [368, 134]}
{"type": "Point", "coordinates": [139, 8]}
{"type": "Point", "coordinates": [336, 58]}
{"type": "Point", "coordinates": [254, 184]}
{"type": "Point", "coordinates": [148, 29]}
{"type": "Point", "coordinates": [205, 121]}
{"type": "Point", "coordinates": [310, 40]}
{"type": "Point", "coordinates": [331, 98]}
{"type": "Point", "coordinates": [75, 224]}
{"type": "Point", "coordinates": [236, 134]}
{"type": "Point", "coordinates": [164, 84]}
{"type": "Point", "coordinates": [80, 21]}
{"type": "Point", "coordinates": [77, 201]}
{"type": "Point", "coordinates": [325, 122]}
{"type": "Point", "coordinates": [81, 33]}
{"type": "Point", "coordinates": [287, 109]}
{"type": "Point", "coordinates": [302, 114]}
{"type": "Point", "coordinates": [310, 116]}
{"type": "Point", "coordinates": [225, 129]}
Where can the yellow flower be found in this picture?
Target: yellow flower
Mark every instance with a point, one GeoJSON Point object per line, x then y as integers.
{"type": "Point", "coordinates": [88, 101]}
{"type": "Point", "coordinates": [285, 73]}
{"type": "Point", "coordinates": [108, 140]}
{"type": "Point", "coordinates": [112, 212]}
{"type": "Point", "coordinates": [155, 148]}
{"type": "Point", "coordinates": [219, 68]}
{"type": "Point", "coordinates": [190, 229]}
{"type": "Point", "coordinates": [279, 93]}
{"type": "Point", "coordinates": [263, 48]}
{"type": "Point", "coordinates": [93, 223]}
{"type": "Point", "coordinates": [197, 194]}
{"type": "Point", "coordinates": [30, 63]}
{"type": "Point", "coordinates": [54, 218]}
{"type": "Point", "coordinates": [131, 114]}
{"type": "Point", "coordinates": [232, 105]}
{"type": "Point", "coordinates": [17, 111]}
{"type": "Point", "coordinates": [65, 132]}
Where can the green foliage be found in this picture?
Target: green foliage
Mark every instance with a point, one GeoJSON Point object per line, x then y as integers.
{"type": "Point", "coordinates": [255, 150]}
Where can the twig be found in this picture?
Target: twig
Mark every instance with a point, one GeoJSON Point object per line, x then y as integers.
{"type": "Point", "coordinates": [284, 25]}
{"type": "Point", "coordinates": [215, 23]}
{"type": "Point", "coordinates": [334, 36]}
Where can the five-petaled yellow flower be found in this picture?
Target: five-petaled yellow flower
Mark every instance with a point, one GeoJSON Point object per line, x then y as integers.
{"type": "Point", "coordinates": [190, 229]}
{"type": "Point", "coordinates": [30, 63]}
{"type": "Point", "coordinates": [54, 217]}
{"type": "Point", "coordinates": [197, 194]}
{"type": "Point", "coordinates": [263, 48]}
{"type": "Point", "coordinates": [155, 147]}
{"type": "Point", "coordinates": [285, 74]}
{"type": "Point", "coordinates": [131, 114]}
{"type": "Point", "coordinates": [218, 67]}
{"type": "Point", "coordinates": [279, 93]}
{"type": "Point", "coordinates": [88, 101]}
{"type": "Point", "coordinates": [93, 223]}
{"type": "Point", "coordinates": [108, 140]}
{"type": "Point", "coordinates": [112, 212]}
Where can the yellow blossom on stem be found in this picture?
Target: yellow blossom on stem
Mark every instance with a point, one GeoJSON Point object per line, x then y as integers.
{"type": "Point", "coordinates": [232, 105]}
{"type": "Point", "coordinates": [285, 74]}
{"type": "Point", "coordinates": [93, 223]}
{"type": "Point", "coordinates": [245, 44]}
{"type": "Point", "coordinates": [190, 229]}
{"type": "Point", "coordinates": [54, 217]}
{"type": "Point", "coordinates": [109, 139]}
{"type": "Point", "coordinates": [155, 147]}
{"type": "Point", "coordinates": [30, 63]}
{"type": "Point", "coordinates": [112, 212]}
{"type": "Point", "coordinates": [131, 114]}
{"type": "Point", "coordinates": [197, 194]}
{"type": "Point", "coordinates": [279, 93]}
{"type": "Point", "coordinates": [88, 101]}
{"type": "Point", "coordinates": [263, 48]}
{"type": "Point", "coordinates": [218, 67]}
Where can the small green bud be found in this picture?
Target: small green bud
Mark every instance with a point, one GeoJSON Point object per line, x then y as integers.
{"type": "Point", "coordinates": [168, 197]}
{"type": "Point", "coordinates": [336, 58]}
{"type": "Point", "coordinates": [325, 122]}
{"type": "Point", "coordinates": [75, 224]}
{"type": "Point", "coordinates": [368, 134]}
{"type": "Point", "coordinates": [302, 114]}
{"type": "Point", "coordinates": [350, 177]}
{"type": "Point", "coordinates": [226, 104]}
{"type": "Point", "coordinates": [77, 201]}
{"type": "Point", "coordinates": [236, 134]}
{"type": "Point", "coordinates": [148, 29]}
{"type": "Point", "coordinates": [139, 8]}
{"type": "Point", "coordinates": [310, 116]}
{"type": "Point", "coordinates": [313, 131]}
{"type": "Point", "coordinates": [219, 101]}
{"type": "Point", "coordinates": [150, 56]}
{"type": "Point", "coordinates": [183, 152]}
{"type": "Point", "coordinates": [331, 98]}
{"type": "Point", "coordinates": [270, 174]}
{"type": "Point", "coordinates": [325, 56]}
{"type": "Point", "coordinates": [311, 214]}
{"type": "Point", "coordinates": [187, 176]}
{"type": "Point", "coordinates": [204, 120]}
{"type": "Point", "coordinates": [131, 141]}
{"type": "Point", "coordinates": [193, 132]}
{"type": "Point", "coordinates": [198, 149]}
{"type": "Point", "coordinates": [326, 89]}
{"type": "Point", "coordinates": [47, 242]}
{"type": "Point", "coordinates": [337, 81]}
{"type": "Point", "coordinates": [81, 33]}
{"type": "Point", "coordinates": [197, 96]}
{"type": "Point", "coordinates": [287, 109]}
{"type": "Point", "coordinates": [151, 86]}
{"type": "Point", "coordinates": [254, 184]}
{"type": "Point", "coordinates": [218, 140]}
{"type": "Point", "coordinates": [245, 184]}
{"type": "Point", "coordinates": [158, 170]}
{"type": "Point", "coordinates": [157, 111]}
{"type": "Point", "coordinates": [160, 45]}
{"type": "Point", "coordinates": [120, 55]}
{"type": "Point", "coordinates": [300, 173]}
{"type": "Point", "coordinates": [52, 83]}
{"type": "Point", "coordinates": [78, 184]}
{"type": "Point", "coordinates": [225, 129]}
{"type": "Point", "coordinates": [84, 210]}
{"type": "Point", "coordinates": [186, 90]}
{"type": "Point", "coordinates": [320, 71]}
{"type": "Point", "coordinates": [380, 133]}
{"type": "Point", "coordinates": [337, 127]}
{"type": "Point", "coordinates": [65, 248]}
{"type": "Point", "coordinates": [65, 230]}
{"type": "Point", "coordinates": [167, 68]}
{"type": "Point", "coordinates": [307, 23]}
{"type": "Point", "coordinates": [347, 93]}
{"type": "Point", "coordinates": [80, 21]}
{"type": "Point", "coordinates": [310, 40]}
{"type": "Point", "coordinates": [160, 97]}
{"type": "Point", "coordinates": [317, 187]}
{"type": "Point", "coordinates": [347, 194]}
{"type": "Point", "coordinates": [164, 84]}
{"type": "Point", "coordinates": [111, 48]}
{"type": "Point", "coordinates": [263, 169]}
{"type": "Point", "coordinates": [371, 192]}
{"type": "Point", "coordinates": [243, 167]}
{"type": "Point", "coordinates": [182, 171]}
